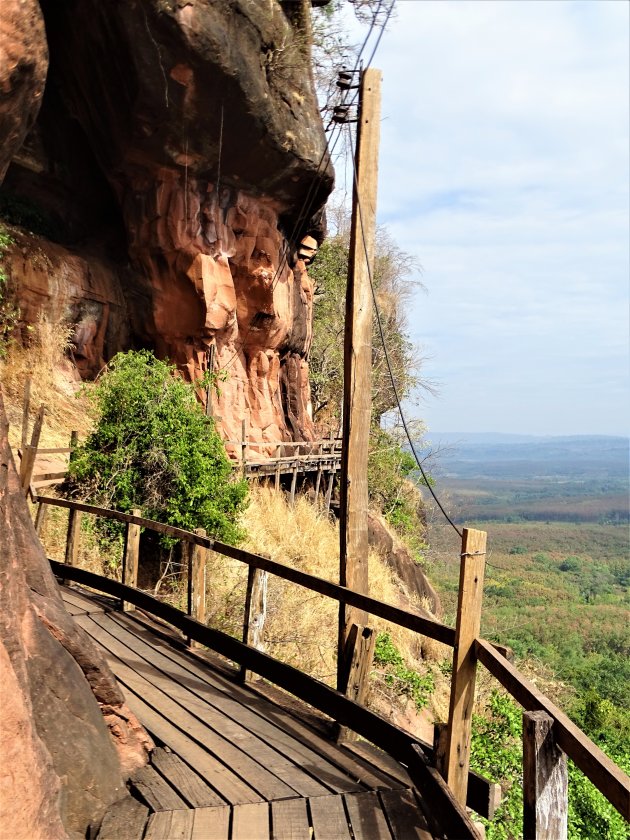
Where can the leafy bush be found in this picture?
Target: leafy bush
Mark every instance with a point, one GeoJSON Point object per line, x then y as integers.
{"type": "Point", "coordinates": [497, 753]}
{"type": "Point", "coordinates": [401, 678]}
{"type": "Point", "coordinates": [9, 312]}
{"type": "Point", "coordinates": [153, 448]}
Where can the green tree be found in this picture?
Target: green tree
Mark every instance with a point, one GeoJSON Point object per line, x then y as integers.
{"type": "Point", "coordinates": [153, 448]}
{"type": "Point", "coordinates": [389, 464]}
{"type": "Point", "coordinates": [394, 283]}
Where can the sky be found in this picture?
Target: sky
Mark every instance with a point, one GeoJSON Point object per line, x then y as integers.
{"type": "Point", "coordinates": [504, 169]}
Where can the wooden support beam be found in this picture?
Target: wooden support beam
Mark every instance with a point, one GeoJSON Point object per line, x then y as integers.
{"type": "Point", "coordinates": [545, 780]}
{"type": "Point", "coordinates": [131, 558]}
{"type": "Point", "coordinates": [293, 485]}
{"type": "Point", "coordinates": [197, 582]}
{"type": "Point", "coordinates": [472, 568]}
{"type": "Point", "coordinates": [30, 452]}
{"type": "Point", "coordinates": [331, 482]}
{"type": "Point", "coordinates": [255, 614]}
{"type": "Point", "coordinates": [357, 397]}
{"type": "Point", "coordinates": [243, 445]}
{"type": "Point", "coordinates": [318, 481]}
{"type": "Point", "coordinates": [40, 517]}
{"type": "Point", "coordinates": [26, 407]}
{"type": "Point", "coordinates": [359, 656]}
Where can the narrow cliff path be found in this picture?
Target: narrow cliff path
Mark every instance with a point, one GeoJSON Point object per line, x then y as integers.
{"type": "Point", "coordinates": [234, 763]}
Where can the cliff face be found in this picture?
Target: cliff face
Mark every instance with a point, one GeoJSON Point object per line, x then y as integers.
{"type": "Point", "coordinates": [57, 694]}
{"type": "Point", "coordinates": [181, 159]}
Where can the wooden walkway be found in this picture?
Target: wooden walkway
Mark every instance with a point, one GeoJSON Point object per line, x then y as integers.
{"type": "Point", "coordinates": [232, 763]}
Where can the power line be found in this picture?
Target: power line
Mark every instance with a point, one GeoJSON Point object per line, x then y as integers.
{"type": "Point", "coordinates": [316, 181]}
{"type": "Point", "coordinates": [386, 352]}
{"type": "Point", "coordinates": [302, 217]}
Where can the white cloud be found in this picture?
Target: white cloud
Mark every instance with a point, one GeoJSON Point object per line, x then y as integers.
{"type": "Point", "coordinates": [504, 169]}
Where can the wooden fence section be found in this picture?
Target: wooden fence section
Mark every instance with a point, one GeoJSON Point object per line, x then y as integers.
{"type": "Point", "coordinates": [476, 792]}
{"type": "Point", "coordinates": [321, 458]}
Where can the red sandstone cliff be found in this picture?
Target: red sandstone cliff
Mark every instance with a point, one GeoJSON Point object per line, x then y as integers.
{"type": "Point", "coordinates": [180, 158]}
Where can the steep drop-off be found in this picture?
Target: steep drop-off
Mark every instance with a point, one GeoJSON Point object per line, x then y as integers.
{"type": "Point", "coordinates": [179, 161]}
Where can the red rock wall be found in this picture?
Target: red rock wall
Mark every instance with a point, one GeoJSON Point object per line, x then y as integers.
{"type": "Point", "coordinates": [60, 768]}
{"type": "Point", "coordinates": [188, 136]}
{"type": "Point", "coordinates": [220, 273]}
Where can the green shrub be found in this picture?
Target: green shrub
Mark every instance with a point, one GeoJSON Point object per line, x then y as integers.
{"type": "Point", "coordinates": [497, 753]}
{"type": "Point", "coordinates": [9, 312]}
{"type": "Point", "coordinates": [402, 679]}
{"type": "Point", "coordinates": [154, 449]}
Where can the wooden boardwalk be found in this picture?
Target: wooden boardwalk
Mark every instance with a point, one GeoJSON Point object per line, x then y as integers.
{"type": "Point", "coordinates": [231, 763]}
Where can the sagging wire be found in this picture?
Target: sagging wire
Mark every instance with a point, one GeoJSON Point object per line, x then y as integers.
{"type": "Point", "coordinates": [386, 352]}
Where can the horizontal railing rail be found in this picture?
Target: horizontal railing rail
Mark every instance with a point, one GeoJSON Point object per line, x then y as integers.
{"type": "Point", "coordinates": [587, 756]}
{"type": "Point", "coordinates": [412, 621]}
{"type": "Point", "coordinates": [584, 753]}
{"type": "Point", "coordinates": [397, 742]}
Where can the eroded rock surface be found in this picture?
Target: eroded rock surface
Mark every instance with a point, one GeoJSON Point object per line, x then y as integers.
{"type": "Point", "coordinates": [23, 66]}
{"type": "Point", "coordinates": [61, 768]}
{"type": "Point", "coordinates": [399, 559]}
{"type": "Point", "coordinates": [185, 139]}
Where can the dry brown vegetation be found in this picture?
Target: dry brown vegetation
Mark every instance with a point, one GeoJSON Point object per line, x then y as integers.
{"type": "Point", "coordinates": [54, 382]}
{"type": "Point", "coordinates": [301, 626]}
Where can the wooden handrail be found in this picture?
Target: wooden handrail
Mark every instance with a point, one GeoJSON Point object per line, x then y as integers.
{"type": "Point", "coordinates": [394, 740]}
{"type": "Point", "coordinates": [601, 770]}
{"type": "Point", "coordinates": [594, 763]}
{"type": "Point", "coordinates": [424, 626]}
{"type": "Point", "coordinates": [258, 443]}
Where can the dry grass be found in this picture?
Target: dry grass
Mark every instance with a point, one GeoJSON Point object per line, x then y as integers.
{"type": "Point", "coordinates": [301, 626]}
{"type": "Point", "coordinates": [54, 382]}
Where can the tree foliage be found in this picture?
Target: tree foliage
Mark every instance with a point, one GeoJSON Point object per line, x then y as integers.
{"type": "Point", "coordinates": [394, 282]}
{"type": "Point", "coordinates": [154, 449]}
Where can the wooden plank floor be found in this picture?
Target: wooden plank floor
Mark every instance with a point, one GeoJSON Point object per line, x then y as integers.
{"type": "Point", "coordinates": [230, 763]}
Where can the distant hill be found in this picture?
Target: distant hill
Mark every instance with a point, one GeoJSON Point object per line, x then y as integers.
{"type": "Point", "coordinates": [503, 456]}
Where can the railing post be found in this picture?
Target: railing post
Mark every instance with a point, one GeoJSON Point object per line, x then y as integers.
{"type": "Point", "coordinates": [359, 655]}
{"type": "Point", "coordinates": [26, 406]}
{"type": "Point", "coordinates": [243, 445]}
{"type": "Point", "coordinates": [131, 557]}
{"type": "Point", "coordinates": [277, 475]}
{"type": "Point", "coordinates": [40, 517]}
{"type": "Point", "coordinates": [545, 780]}
{"type": "Point", "coordinates": [255, 613]}
{"type": "Point", "coordinates": [197, 583]}
{"type": "Point", "coordinates": [472, 568]}
{"type": "Point", "coordinates": [30, 452]}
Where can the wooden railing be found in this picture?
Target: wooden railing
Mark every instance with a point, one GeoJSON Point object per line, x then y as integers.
{"type": "Point", "coordinates": [561, 736]}
{"type": "Point", "coordinates": [322, 457]}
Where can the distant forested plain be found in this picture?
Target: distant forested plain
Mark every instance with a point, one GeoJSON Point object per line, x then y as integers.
{"type": "Point", "coordinates": [557, 586]}
{"type": "Point", "coordinates": [570, 479]}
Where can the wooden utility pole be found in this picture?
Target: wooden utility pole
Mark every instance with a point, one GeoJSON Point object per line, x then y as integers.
{"type": "Point", "coordinates": [357, 395]}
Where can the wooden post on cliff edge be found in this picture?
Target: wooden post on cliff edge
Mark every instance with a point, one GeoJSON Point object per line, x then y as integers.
{"type": "Point", "coordinates": [357, 396]}
{"type": "Point", "coordinates": [471, 575]}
